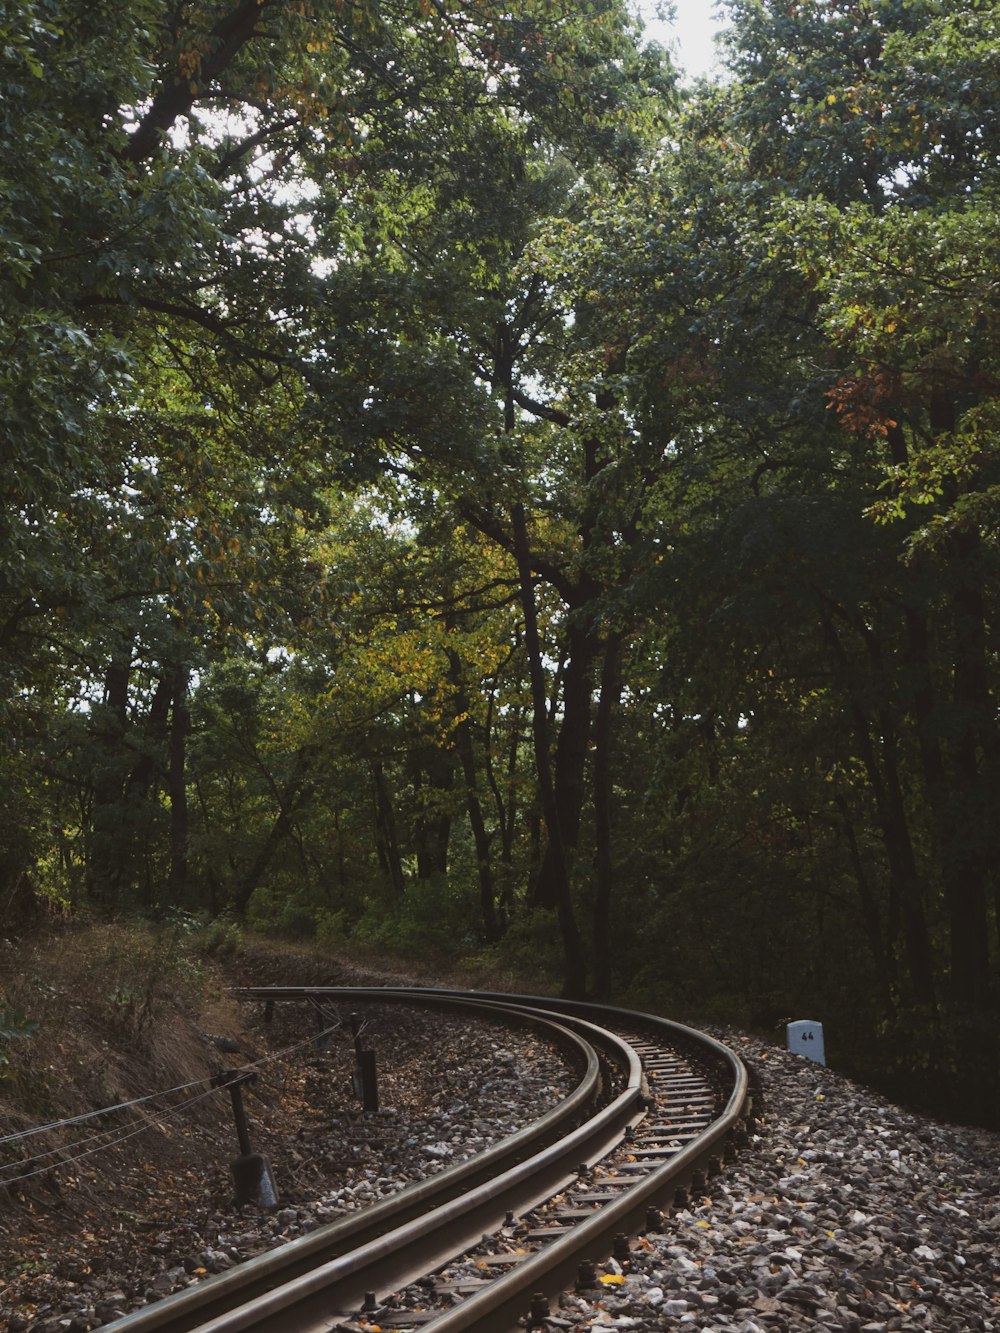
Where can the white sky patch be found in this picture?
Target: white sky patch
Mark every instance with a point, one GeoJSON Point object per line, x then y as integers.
{"type": "Point", "coordinates": [690, 35]}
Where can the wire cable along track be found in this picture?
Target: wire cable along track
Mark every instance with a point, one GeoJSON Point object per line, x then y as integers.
{"type": "Point", "coordinates": [657, 1104]}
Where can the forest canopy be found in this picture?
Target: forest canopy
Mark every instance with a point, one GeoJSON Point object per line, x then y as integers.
{"type": "Point", "coordinates": [464, 492]}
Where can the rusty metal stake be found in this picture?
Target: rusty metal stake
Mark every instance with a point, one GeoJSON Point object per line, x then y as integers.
{"type": "Point", "coordinates": [365, 1079]}
{"type": "Point", "coordinates": [251, 1171]}
{"type": "Point", "coordinates": [321, 1041]}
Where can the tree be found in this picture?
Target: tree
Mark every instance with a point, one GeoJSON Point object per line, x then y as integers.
{"type": "Point", "coordinates": [901, 281]}
{"type": "Point", "coordinates": [170, 215]}
{"type": "Point", "coordinates": [803, 298]}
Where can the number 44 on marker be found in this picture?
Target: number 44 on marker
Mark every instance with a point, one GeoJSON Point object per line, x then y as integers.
{"type": "Point", "coordinates": [806, 1038]}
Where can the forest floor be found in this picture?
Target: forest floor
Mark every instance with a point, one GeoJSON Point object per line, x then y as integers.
{"type": "Point", "coordinates": [846, 1212]}
{"type": "Point", "coordinates": [123, 1011]}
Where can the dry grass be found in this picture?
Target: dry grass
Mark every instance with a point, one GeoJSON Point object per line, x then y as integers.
{"type": "Point", "coordinates": [115, 1007]}
{"type": "Point", "coordinates": [123, 1010]}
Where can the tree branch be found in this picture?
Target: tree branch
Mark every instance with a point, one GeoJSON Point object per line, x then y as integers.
{"type": "Point", "coordinates": [176, 99]}
{"type": "Point", "coordinates": [245, 146]}
{"type": "Point", "coordinates": [553, 414]}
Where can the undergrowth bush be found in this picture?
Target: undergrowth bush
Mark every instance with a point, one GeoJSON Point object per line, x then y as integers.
{"type": "Point", "coordinates": [133, 970]}
{"type": "Point", "coordinates": [222, 937]}
{"type": "Point", "coordinates": [433, 917]}
{"type": "Point", "coordinates": [15, 1025]}
{"type": "Point", "coordinates": [437, 916]}
{"type": "Point", "coordinates": [275, 911]}
{"type": "Point", "coordinates": [529, 954]}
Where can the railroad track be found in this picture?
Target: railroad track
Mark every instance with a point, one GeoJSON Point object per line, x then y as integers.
{"type": "Point", "coordinates": [656, 1108]}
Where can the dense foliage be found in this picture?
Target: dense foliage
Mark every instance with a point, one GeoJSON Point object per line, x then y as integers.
{"type": "Point", "coordinates": [462, 494]}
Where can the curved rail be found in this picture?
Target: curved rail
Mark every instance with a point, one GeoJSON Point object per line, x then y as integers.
{"type": "Point", "coordinates": [304, 1286]}
{"type": "Point", "coordinates": [200, 1306]}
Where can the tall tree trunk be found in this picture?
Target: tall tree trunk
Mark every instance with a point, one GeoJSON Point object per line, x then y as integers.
{"type": "Point", "coordinates": [295, 794]}
{"type": "Point", "coordinates": [386, 836]}
{"type": "Point", "coordinates": [104, 873]}
{"type": "Point", "coordinates": [216, 897]}
{"type": "Point", "coordinates": [883, 778]}
{"type": "Point", "coordinates": [506, 808]}
{"type": "Point", "coordinates": [180, 725]}
{"type": "Point", "coordinates": [433, 780]}
{"type": "Point", "coordinates": [611, 689]}
{"type": "Point", "coordinates": [502, 805]}
{"type": "Point", "coordinates": [974, 806]}
{"type": "Point", "coordinates": [569, 778]}
{"type": "Point", "coordinates": [140, 809]}
{"type": "Point", "coordinates": [148, 764]}
{"type": "Point", "coordinates": [575, 967]}
{"type": "Point", "coordinates": [964, 811]}
{"type": "Point", "coordinates": [480, 836]}
{"type": "Point", "coordinates": [882, 957]}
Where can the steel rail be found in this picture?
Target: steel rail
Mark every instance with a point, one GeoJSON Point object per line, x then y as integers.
{"type": "Point", "coordinates": [425, 1233]}
{"type": "Point", "coordinates": [553, 1269]}
{"type": "Point", "coordinates": [502, 1305]}
{"type": "Point", "coordinates": [201, 1305]}
{"type": "Point", "coordinates": [400, 1256]}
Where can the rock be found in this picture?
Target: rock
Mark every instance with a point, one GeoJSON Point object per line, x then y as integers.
{"type": "Point", "coordinates": [845, 1215]}
{"type": "Point", "coordinates": [106, 1311]}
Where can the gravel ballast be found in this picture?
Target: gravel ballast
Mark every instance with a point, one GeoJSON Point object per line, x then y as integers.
{"type": "Point", "coordinates": [449, 1086]}
{"type": "Point", "coordinates": [844, 1213]}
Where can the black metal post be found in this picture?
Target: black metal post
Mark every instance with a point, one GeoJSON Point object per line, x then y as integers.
{"type": "Point", "coordinates": [233, 1079]}
{"type": "Point", "coordinates": [365, 1076]}
{"type": "Point", "coordinates": [322, 1038]}
{"type": "Point", "coordinates": [369, 1080]}
{"type": "Point", "coordinates": [355, 1022]}
{"type": "Point", "coordinates": [251, 1171]}
{"type": "Point", "coordinates": [240, 1116]}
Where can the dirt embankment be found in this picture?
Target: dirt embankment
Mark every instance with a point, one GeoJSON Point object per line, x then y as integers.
{"type": "Point", "coordinates": [114, 1012]}
{"type": "Point", "coordinates": [123, 1011]}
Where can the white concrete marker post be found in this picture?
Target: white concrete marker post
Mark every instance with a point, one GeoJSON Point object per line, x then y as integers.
{"type": "Point", "coordinates": [806, 1038]}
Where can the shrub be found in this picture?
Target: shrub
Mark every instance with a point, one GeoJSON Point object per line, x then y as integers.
{"type": "Point", "coordinates": [14, 1026]}
{"type": "Point", "coordinates": [221, 938]}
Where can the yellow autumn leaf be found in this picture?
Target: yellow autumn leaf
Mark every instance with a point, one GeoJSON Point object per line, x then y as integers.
{"type": "Point", "coordinates": [612, 1280]}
